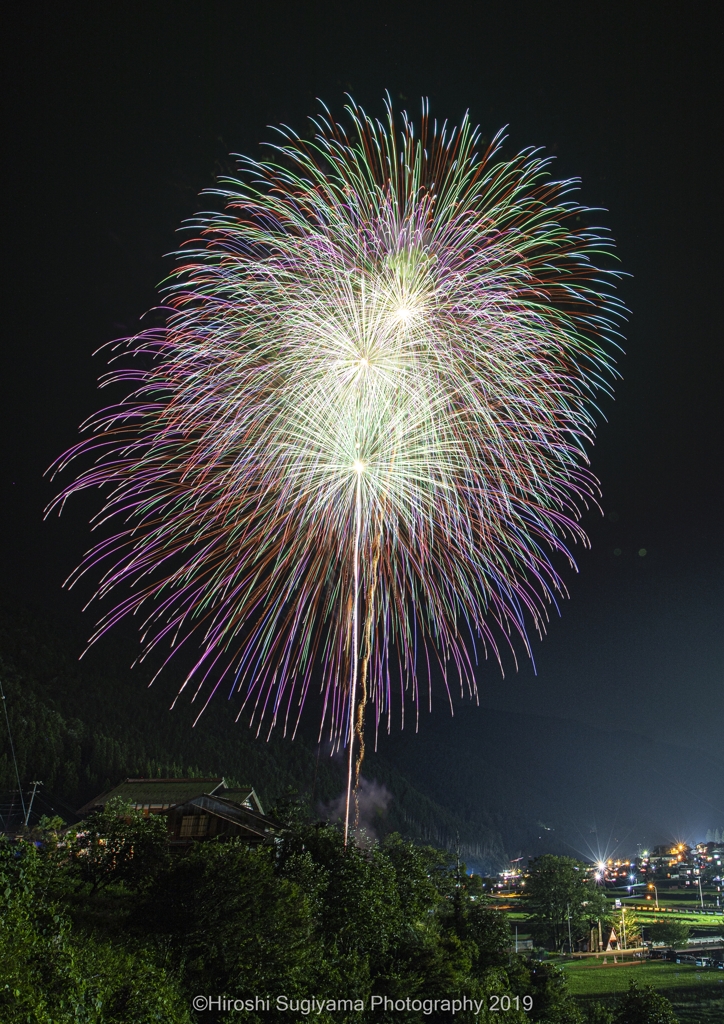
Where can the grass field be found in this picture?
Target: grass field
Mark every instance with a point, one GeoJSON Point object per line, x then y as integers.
{"type": "Point", "coordinates": [696, 993]}
{"type": "Point", "coordinates": [714, 924]}
{"type": "Point", "coordinates": [591, 978]}
{"type": "Point", "coordinates": [697, 1007]}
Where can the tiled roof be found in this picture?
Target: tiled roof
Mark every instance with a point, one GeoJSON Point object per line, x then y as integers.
{"type": "Point", "coordinates": [249, 821]}
{"type": "Point", "coordinates": [156, 793]}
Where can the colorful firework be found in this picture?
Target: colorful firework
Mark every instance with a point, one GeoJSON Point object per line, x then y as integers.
{"type": "Point", "coordinates": [360, 437]}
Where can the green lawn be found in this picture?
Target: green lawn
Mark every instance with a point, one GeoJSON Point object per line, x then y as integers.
{"type": "Point", "coordinates": [592, 978]}
{"type": "Point", "coordinates": [715, 923]}
{"type": "Point", "coordinates": [697, 1007]}
{"type": "Point", "coordinates": [517, 915]}
{"type": "Point", "coordinates": [697, 993]}
{"type": "Point", "coordinates": [697, 920]}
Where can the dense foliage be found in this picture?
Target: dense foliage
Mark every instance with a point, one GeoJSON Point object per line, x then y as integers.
{"type": "Point", "coordinates": [565, 900]}
{"type": "Point", "coordinates": [644, 1006]}
{"type": "Point", "coordinates": [54, 972]}
{"type": "Point", "coordinates": [669, 931]}
{"type": "Point", "coordinates": [88, 935]}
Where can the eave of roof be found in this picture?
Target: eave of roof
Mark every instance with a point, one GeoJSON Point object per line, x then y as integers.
{"type": "Point", "coordinates": [159, 793]}
{"type": "Point", "coordinates": [244, 816]}
{"type": "Point", "coordinates": [238, 794]}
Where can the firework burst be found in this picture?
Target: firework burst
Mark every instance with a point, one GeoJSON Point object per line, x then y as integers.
{"type": "Point", "coordinates": [360, 437]}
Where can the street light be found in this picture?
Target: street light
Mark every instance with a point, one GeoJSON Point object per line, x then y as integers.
{"type": "Point", "coordinates": [701, 894]}
{"type": "Point", "coordinates": [652, 886]}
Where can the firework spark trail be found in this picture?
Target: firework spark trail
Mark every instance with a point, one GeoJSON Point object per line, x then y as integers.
{"type": "Point", "coordinates": [373, 394]}
{"type": "Point", "coordinates": [354, 657]}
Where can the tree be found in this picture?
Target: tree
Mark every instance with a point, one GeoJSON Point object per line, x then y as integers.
{"type": "Point", "coordinates": [312, 917]}
{"type": "Point", "coordinates": [52, 974]}
{"type": "Point", "coordinates": [627, 926]}
{"type": "Point", "coordinates": [118, 844]}
{"type": "Point", "coordinates": [644, 1006]}
{"type": "Point", "coordinates": [552, 1002]}
{"type": "Point", "coordinates": [560, 890]}
{"type": "Point", "coordinates": [490, 931]}
{"type": "Point", "coordinates": [233, 926]}
{"type": "Point", "coordinates": [669, 931]}
{"type": "Point", "coordinates": [307, 917]}
{"type": "Point", "coordinates": [598, 1013]}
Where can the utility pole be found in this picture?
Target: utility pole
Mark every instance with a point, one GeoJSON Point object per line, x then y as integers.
{"type": "Point", "coordinates": [12, 745]}
{"type": "Point", "coordinates": [570, 940]}
{"type": "Point", "coordinates": [30, 805]}
{"type": "Point", "coordinates": [701, 894]}
{"type": "Point", "coordinates": [623, 925]}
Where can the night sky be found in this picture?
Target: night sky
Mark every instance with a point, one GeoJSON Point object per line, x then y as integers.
{"type": "Point", "coordinates": [120, 114]}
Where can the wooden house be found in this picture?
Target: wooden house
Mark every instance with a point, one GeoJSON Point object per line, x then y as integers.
{"type": "Point", "coordinates": [195, 808]}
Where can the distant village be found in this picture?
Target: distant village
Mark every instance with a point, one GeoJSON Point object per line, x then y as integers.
{"type": "Point", "coordinates": [653, 873]}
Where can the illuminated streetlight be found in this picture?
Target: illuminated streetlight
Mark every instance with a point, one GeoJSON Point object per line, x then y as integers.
{"type": "Point", "coordinates": [652, 886]}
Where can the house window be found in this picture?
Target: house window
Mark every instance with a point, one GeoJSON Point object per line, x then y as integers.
{"type": "Point", "coordinates": [194, 825]}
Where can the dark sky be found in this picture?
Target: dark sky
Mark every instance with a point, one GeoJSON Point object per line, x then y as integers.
{"type": "Point", "coordinates": [119, 114]}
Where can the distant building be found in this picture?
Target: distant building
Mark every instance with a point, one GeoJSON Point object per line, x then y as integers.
{"type": "Point", "coordinates": [196, 808]}
{"type": "Point", "coordinates": [667, 861]}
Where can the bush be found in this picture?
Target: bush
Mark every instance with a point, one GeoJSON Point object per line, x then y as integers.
{"type": "Point", "coordinates": [53, 975]}
{"type": "Point", "coordinates": [671, 932]}
{"type": "Point", "coordinates": [644, 1006]}
{"type": "Point", "coordinates": [308, 917]}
